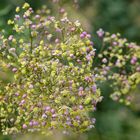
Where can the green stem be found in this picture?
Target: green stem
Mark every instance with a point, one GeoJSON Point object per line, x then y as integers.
{"type": "Point", "coordinates": [102, 47]}
{"type": "Point", "coordinates": [31, 40]}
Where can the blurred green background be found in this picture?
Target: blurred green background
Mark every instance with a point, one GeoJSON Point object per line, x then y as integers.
{"type": "Point", "coordinates": [114, 121]}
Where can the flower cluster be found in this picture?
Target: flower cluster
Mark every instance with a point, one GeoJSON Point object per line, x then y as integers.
{"type": "Point", "coordinates": [53, 86]}
{"type": "Point", "coordinates": [55, 74]}
{"type": "Point", "coordinates": [119, 62]}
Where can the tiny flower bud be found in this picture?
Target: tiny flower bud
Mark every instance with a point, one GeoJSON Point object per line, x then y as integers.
{"type": "Point", "coordinates": [14, 69]}
{"type": "Point", "coordinates": [104, 60]}
{"type": "Point", "coordinates": [24, 126]}
{"type": "Point", "coordinates": [100, 33]}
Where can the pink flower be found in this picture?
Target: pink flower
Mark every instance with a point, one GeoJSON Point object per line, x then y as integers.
{"type": "Point", "coordinates": [100, 33]}
{"type": "Point", "coordinates": [24, 126]}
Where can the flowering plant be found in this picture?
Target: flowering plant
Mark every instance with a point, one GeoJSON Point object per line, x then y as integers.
{"type": "Point", "coordinates": [53, 86]}
{"type": "Point", "coordinates": [118, 61]}
{"type": "Point", "coordinates": [56, 73]}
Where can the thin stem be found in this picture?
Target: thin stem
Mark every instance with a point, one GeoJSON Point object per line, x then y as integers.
{"type": "Point", "coordinates": [102, 47]}
{"type": "Point", "coordinates": [31, 40]}
{"type": "Point", "coordinates": [63, 35]}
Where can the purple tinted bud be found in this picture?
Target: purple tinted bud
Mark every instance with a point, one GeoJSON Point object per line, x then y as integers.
{"type": "Point", "coordinates": [117, 62]}
{"type": "Point", "coordinates": [52, 18]}
{"type": "Point", "coordinates": [78, 60]}
{"type": "Point", "coordinates": [8, 65]}
{"type": "Point", "coordinates": [58, 30]}
{"type": "Point", "coordinates": [88, 57]}
{"type": "Point", "coordinates": [80, 107]}
{"type": "Point", "coordinates": [10, 38]}
{"type": "Point", "coordinates": [30, 9]}
{"type": "Point", "coordinates": [129, 98]}
{"type": "Point", "coordinates": [68, 119]}
{"type": "Point", "coordinates": [138, 69]}
{"type": "Point", "coordinates": [24, 95]}
{"type": "Point", "coordinates": [134, 58]}
{"type": "Point", "coordinates": [104, 60]}
{"type": "Point", "coordinates": [64, 20]}
{"type": "Point", "coordinates": [88, 49]}
{"type": "Point", "coordinates": [66, 112]}
{"type": "Point", "coordinates": [43, 123]}
{"type": "Point", "coordinates": [62, 10]}
{"type": "Point", "coordinates": [107, 68]}
{"type": "Point", "coordinates": [37, 16]}
{"type": "Point", "coordinates": [81, 88]}
{"type": "Point", "coordinates": [70, 87]}
{"type": "Point", "coordinates": [54, 115]}
{"type": "Point", "coordinates": [56, 40]}
{"type": "Point", "coordinates": [72, 55]}
{"type": "Point", "coordinates": [94, 108]}
{"type": "Point", "coordinates": [88, 36]}
{"type": "Point", "coordinates": [17, 17]}
{"type": "Point", "coordinates": [72, 29]}
{"type": "Point", "coordinates": [91, 43]}
{"type": "Point", "coordinates": [82, 36]}
{"type": "Point", "coordinates": [35, 123]}
{"type": "Point", "coordinates": [130, 45]}
{"type": "Point", "coordinates": [24, 16]}
{"type": "Point", "coordinates": [104, 72]}
{"type": "Point", "coordinates": [24, 126]}
{"type": "Point", "coordinates": [84, 33]}
{"type": "Point", "coordinates": [100, 33]}
{"type": "Point", "coordinates": [92, 53]}
{"type": "Point", "coordinates": [94, 102]}
{"type": "Point", "coordinates": [17, 94]}
{"type": "Point", "coordinates": [113, 36]}
{"type": "Point", "coordinates": [14, 69]}
{"type": "Point", "coordinates": [31, 123]}
{"type": "Point", "coordinates": [115, 43]}
{"type": "Point", "coordinates": [133, 61]}
{"type": "Point", "coordinates": [77, 117]}
{"type": "Point", "coordinates": [33, 27]}
{"type": "Point", "coordinates": [22, 102]}
{"type": "Point", "coordinates": [31, 86]}
{"type": "Point", "coordinates": [87, 78]}
{"type": "Point", "coordinates": [52, 111]}
{"type": "Point", "coordinates": [71, 81]}
{"type": "Point", "coordinates": [68, 123]}
{"type": "Point", "coordinates": [44, 116]}
{"type": "Point", "coordinates": [47, 108]}
{"type": "Point", "coordinates": [80, 94]}
{"type": "Point", "coordinates": [94, 88]}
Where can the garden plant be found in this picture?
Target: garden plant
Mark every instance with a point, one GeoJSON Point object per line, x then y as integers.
{"type": "Point", "coordinates": [54, 72]}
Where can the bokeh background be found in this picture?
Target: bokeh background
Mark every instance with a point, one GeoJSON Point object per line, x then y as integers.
{"type": "Point", "coordinates": [114, 121]}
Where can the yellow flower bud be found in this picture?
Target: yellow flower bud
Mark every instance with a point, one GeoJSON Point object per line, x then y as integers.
{"type": "Point", "coordinates": [17, 9]}
{"type": "Point", "coordinates": [25, 6]}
